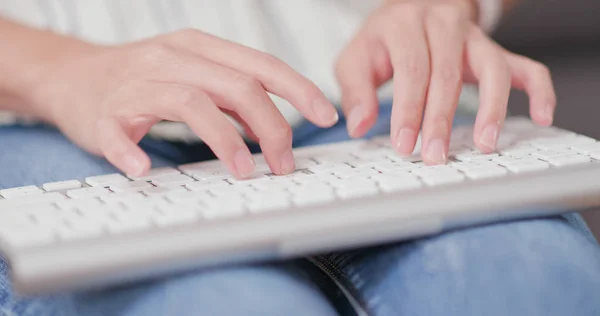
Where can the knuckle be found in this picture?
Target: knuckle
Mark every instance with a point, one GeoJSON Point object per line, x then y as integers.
{"type": "Point", "coordinates": [408, 9]}
{"type": "Point", "coordinates": [185, 35]}
{"type": "Point", "coordinates": [154, 53]}
{"type": "Point", "coordinates": [270, 62]}
{"type": "Point", "coordinates": [247, 85]}
{"type": "Point", "coordinates": [415, 68]}
{"type": "Point", "coordinates": [541, 69]}
{"type": "Point", "coordinates": [449, 76]}
{"type": "Point", "coordinates": [187, 98]}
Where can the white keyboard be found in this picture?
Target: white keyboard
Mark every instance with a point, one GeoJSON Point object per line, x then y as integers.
{"type": "Point", "coordinates": [111, 228]}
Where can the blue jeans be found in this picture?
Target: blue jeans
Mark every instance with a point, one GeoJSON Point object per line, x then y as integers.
{"type": "Point", "coordinates": [544, 266]}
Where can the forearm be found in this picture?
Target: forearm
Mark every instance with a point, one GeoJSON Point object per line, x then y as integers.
{"type": "Point", "coordinates": [25, 54]}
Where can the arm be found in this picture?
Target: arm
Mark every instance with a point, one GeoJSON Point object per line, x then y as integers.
{"type": "Point", "coordinates": [25, 54]}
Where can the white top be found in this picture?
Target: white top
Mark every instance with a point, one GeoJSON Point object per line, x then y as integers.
{"type": "Point", "coordinates": [306, 34]}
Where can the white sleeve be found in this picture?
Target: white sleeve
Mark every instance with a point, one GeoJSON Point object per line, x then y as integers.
{"type": "Point", "coordinates": [490, 13]}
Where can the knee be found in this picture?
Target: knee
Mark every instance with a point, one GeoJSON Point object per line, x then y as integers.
{"type": "Point", "coordinates": [537, 266]}
{"type": "Point", "coordinates": [235, 291]}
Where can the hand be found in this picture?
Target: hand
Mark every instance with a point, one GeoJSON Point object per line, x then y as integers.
{"type": "Point", "coordinates": [107, 98]}
{"type": "Point", "coordinates": [430, 47]}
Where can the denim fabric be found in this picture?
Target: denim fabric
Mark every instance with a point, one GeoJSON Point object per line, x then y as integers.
{"type": "Point", "coordinates": [544, 266]}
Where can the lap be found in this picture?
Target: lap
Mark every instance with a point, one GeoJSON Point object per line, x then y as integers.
{"type": "Point", "coordinates": [534, 267]}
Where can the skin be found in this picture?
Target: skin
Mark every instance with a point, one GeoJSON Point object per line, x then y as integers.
{"type": "Point", "coordinates": [105, 99]}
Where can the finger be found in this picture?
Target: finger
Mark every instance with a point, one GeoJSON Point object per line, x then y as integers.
{"type": "Point", "coordinates": [240, 93]}
{"type": "Point", "coordinates": [410, 59]}
{"type": "Point", "coordinates": [202, 115]}
{"type": "Point", "coordinates": [273, 74]}
{"type": "Point", "coordinates": [490, 69]}
{"type": "Point", "coordinates": [118, 148]}
{"type": "Point", "coordinates": [247, 130]}
{"type": "Point", "coordinates": [358, 84]}
{"type": "Point", "coordinates": [445, 33]}
{"type": "Point", "coordinates": [535, 79]}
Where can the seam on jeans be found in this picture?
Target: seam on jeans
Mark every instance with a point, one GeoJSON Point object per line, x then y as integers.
{"type": "Point", "coordinates": [347, 291]}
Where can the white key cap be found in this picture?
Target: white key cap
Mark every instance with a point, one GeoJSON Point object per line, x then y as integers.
{"type": "Point", "coordinates": [354, 183]}
{"type": "Point", "coordinates": [204, 185]}
{"type": "Point", "coordinates": [595, 155]}
{"type": "Point", "coordinates": [434, 170]}
{"type": "Point", "coordinates": [223, 209]}
{"type": "Point", "coordinates": [62, 185]}
{"type": "Point", "coordinates": [571, 140]}
{"type": "Point", "coordinates": [20, 191]}
{"type": "Point", "coordinates": [389, 166]}
{"type": "Point", "coordinates": [464, 166]}
{"type": "Point", "coordinates": [271, 204]}
{"type": "Point", "coordinates": [561, 161]}
{"type": "Point", "coordinates": [80, 230]}
{"type": "Point", "coordinates": [313, 198]}
{"type": "Point", "coordinates": [354, 172]}
{"type": "Point", "coordinates": [125, 223]}
{"type": "Point", "coordinates": [586, 149]}
{"type": "Point", "coordinates": [518, 150]}
{"type": "Point", "coordinates": [105, 180]}
{"type": "Point", "coordinates": [475, 156]}
{"type": "Point", "coordinates": [548, 154]}
{"type": "Point", "coordinates": [87, 192]}
{"type": "Point", "coordinates": [357, 192]}
{"type": "Point", "coordinates": [157, 191]}
{"type": "Point", "coordinates": [394, 184]}
{"type": "Point", "coordinates": [156, 172]}
{"type": "Point", "coordinates": [411, 158]}
{"type": "Point", "coordinates": [171, 180]}
{"type": "Point", "coordinates": [175, 216]}
{"type": "Point", "coordinates": [121, 197]}
{"type": "Point", "coordinates": [442, 178]}
{"type": "Point", "coordinates": [83, 203]}
{"type": "Point", "coordinates": [362, 163]}
{"type": "Point", "coordinates": [27, 236]}
{"type": "Point", "coordinates": [334, 159]}
{"type": "Point", "coordinates": [233, 190]}
{"type": "Point", "coordinates": [31, 201]}
{"type": "Point", "coordinates": [486, 172]}
{"type": "Point", "coordinates": [527, 165]}
{"type": "Point", "coordinates": [137, 185]}
{"type": "Point", "coordinates": [209, 174]}
{"type": "Point", "coordinates": [328, 168]}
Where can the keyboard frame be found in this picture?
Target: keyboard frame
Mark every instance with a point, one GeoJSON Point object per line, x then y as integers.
{"type": "Point", "coordinates": [303, 231]}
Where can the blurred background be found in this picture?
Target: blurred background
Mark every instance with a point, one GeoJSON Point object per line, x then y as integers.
{"type": "Point", "coordinates": [565, 35]}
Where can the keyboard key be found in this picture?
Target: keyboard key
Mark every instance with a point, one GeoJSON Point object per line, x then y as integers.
{"type": "Point", "coordinates": [156, 172]}
{"type": "Point", "coordinates": [485, 172]}
{"type": "Point", "coordinates": [209, 174]}
{"type": "Point", "coordinates": [20, 191]}
{"type": "Point", "coordinates": [393, 184]}
{"type": "Point", "coordinates": [567, 160]}
{"type": "Point", "coordinates": [105, 180]}
{"type": "Point", "coordinates": [549, 154]}
{"type": "Point", "coordinates": [175, 215]}
{"type": "Point", "coordinates": [62, 185]}
{"type": "Point", "coordinates": [80, 230]}
{"type": "Point", "coordinates": [271, 204]}
{"type": "Point", "coordinates": [527, 165]}
{"type": "Point", "coordinates": [87, 192]}
{"type": "Point", "coordinates": [171, 180]}
{"type": "Point", "coordinates": [464, 166]}
{"type": "Point", "coordinates": [389, 166]}
{"type": "Point", "coordinates": [137, 185]}
{"type": "Point", "coordinates": [121, 197]}
{"type": "Point", "coordinates": [475, 156]}
{"type": "Point", "coordinates": [435, 179]}
{"type": "Point", "coordinates": [357, 192]}
{"type": "Point", "coordinates": [204, 185]}
{"type": "Point", "coordinates": [314, 198]}
{"type": "Point", "coordinates": [163, 190]}
{"type": "Point", "coordinates": [586, 149]}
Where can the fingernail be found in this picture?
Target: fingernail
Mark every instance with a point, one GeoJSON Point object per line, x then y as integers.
{"type": "Point", "coordinates": [325, 112]}
{"type": "Point", "coordinates": [134, 166]}
{"type": "Point", "coordinates": [243, 162]}
{"type": "Point", "coordinates": [287, 162]}
{"type": "Point", "coordinates": [436, 151]}
{"type": "Point", "coordinates": [489, 136]}
{"type": "Point", "coordinates": [405, 140]}
{"type": "Point", "coordinates": [355, 117]}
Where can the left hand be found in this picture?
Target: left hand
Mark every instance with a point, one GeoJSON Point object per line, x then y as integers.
{"type": "Point", "coordinates": [430, 47]}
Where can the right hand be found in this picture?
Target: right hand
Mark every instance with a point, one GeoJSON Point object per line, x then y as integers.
{"type": "Point", "coordinates": [106, 99]}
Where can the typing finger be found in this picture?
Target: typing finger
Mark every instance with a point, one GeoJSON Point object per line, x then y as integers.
{"type": "Point", "coordinates": [489, 67]}
{"type": "Point", "coordinates": [445, 33]}
{"type": "Point", "coordinates": [535, 79]}
{"type": "Point", "coordinates": [119, 149]}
